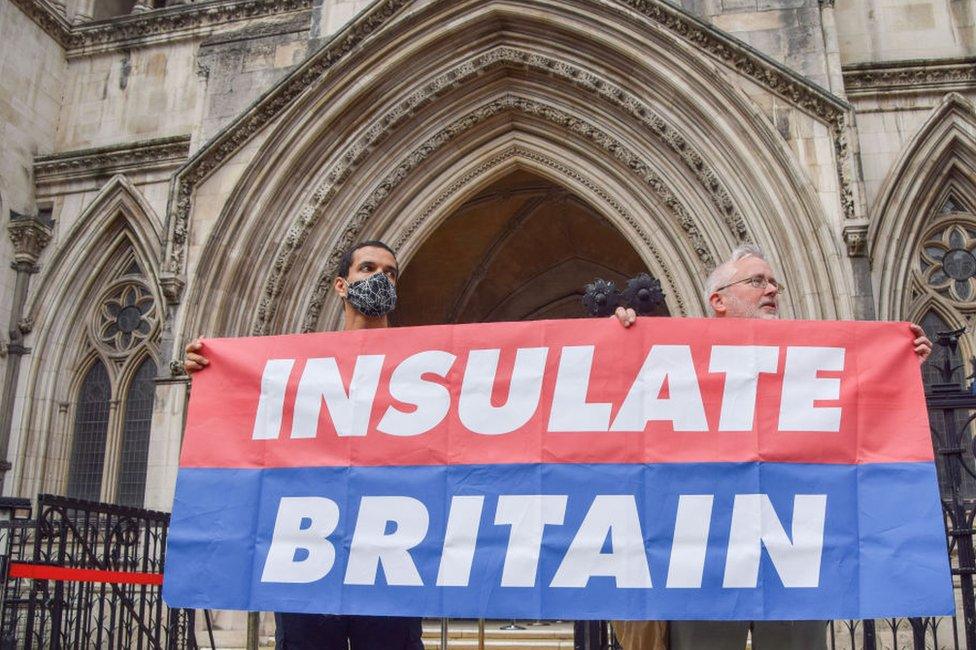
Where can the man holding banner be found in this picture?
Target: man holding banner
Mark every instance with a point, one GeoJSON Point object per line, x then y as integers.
{"type": "Point", "coordinates": [742, 287]}
{"type": "Point", "coordinates": [366, 281]}
{"type": "Point", "coordinates": [685, 470]}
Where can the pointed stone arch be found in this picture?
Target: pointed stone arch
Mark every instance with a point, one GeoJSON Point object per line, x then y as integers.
{"type": "Point", "coordinates": [116, 237]}
{"type": "Point", "coordinates": [940, 160]}
{"type": "Point", "coordinates": [372, 129]}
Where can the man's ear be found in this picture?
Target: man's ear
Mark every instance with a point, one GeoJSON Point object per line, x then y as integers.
{"type": "Point", "coordinates": [341, 286]}
{"type": "Point", "coordinates": [718, 303]}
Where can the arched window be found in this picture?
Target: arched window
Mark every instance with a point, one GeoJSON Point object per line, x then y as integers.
{"type": "Point", "coordinates": [113, 412]}
{"type": "Point", "coordinates": [944, 282]}
{"type": "Point", "coordinates": [91, 429]}
{"type": "Point", "coordinates": [944, 294]}
{"type": "Point", "coordinates": [135, 436]}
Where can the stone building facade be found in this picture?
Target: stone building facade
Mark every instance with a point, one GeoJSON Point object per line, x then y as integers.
{"type": "Point", "coordinates": [171, 169]}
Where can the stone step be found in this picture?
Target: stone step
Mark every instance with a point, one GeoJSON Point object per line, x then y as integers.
{"type": "Point", "coordinates": [462, 635]}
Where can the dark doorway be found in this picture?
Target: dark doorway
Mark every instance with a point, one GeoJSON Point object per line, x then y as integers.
{"type": "Point", "coordinates": [522, 249]}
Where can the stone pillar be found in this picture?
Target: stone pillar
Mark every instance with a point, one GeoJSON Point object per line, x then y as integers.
{"type": "Point", "coordinates": [29, 236]}
{"type": "Point", "coordinates": [856, 240]}
{"type": "Point", "coordinates": [828, 23]}
{"type": "Point", "coordinates": [169, 406]}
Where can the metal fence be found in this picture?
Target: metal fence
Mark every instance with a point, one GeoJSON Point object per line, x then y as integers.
{"type": "Point", "coordinates": [86, 575]}
{"type": "Point", "coordinates": [951, 403]}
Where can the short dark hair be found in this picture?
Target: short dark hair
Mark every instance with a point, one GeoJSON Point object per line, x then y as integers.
{"type": "Point", "coordinates": [345, 262]}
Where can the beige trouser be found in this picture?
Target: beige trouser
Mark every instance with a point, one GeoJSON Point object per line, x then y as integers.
{"type": "Point", "coordinates": [642, 635]}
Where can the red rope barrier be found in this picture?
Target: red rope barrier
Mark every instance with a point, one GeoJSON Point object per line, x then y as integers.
{"type": "Point", "coordinates": [60, 573]}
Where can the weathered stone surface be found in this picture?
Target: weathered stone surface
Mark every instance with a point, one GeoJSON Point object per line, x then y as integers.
{"type": "Point", "coordinates": [901, 30]}
{"type": "Point", "coordinates": [238, 66]}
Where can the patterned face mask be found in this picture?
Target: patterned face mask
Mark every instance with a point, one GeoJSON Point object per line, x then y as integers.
{"type": "Point", "coordinates": [373, 297]}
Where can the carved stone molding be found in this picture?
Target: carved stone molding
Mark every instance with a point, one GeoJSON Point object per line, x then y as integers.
{"type": "Point", "coordinates": [29, 236]}
{"type": "Point", "coordinates": [232, 138]}
{"type": "Point", "coordinates": [637, 109]}
{"type": "Point", "coordinates": [942, 75]}
{"type": "Point", "coordinates": [763, 70]}
{"type": "Point", "coordinates": [173, 286]}
{"type": "Point", "coordinates": [856, 239]}
{"type": "Point", "coordinates": [840, 133]}
{"type": "Point", "coordinates": [312, 211]}
{"type": "Point", "coordinates": [107, 161]}
{"type": "Point", "coordinates": [176, 368]}
{"type": "Point", "coordinates": [160, 24]}
{"type": "Point", "coordinates": [324, 285]}
{"type": "Point", "coordinates": [48, 17]}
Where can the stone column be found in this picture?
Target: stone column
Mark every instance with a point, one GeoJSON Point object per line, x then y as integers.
{"type": "Point", "coordinates": [856, 239]}
{"type": "Point", "coordinates": [828, 24]}
{"type": "Point", "coordinates": [169, 406]}
{"type": "Point", "coordinates": [29, 235]}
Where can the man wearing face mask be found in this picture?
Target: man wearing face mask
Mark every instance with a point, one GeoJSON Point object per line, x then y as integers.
{"type": "Point", "coordinates": [742, 287]}
{"type": "Point", "coordinates": [366, 281]}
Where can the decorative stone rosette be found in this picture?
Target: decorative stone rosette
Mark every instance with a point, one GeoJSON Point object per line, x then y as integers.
{"type": "Point", "coordinates": [125, 317]}
{"type": "Point", "coordinates": [947, 261]}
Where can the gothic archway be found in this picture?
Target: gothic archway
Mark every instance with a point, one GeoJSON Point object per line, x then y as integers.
{"type": "Point", "coordinates": [97, 306]}
{"type": "Point", "coordinates": [520, 249]}
{"type": "Point", "coordinates": [391, 139]}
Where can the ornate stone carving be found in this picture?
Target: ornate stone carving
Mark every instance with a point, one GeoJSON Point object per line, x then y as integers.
{"type": "Point", "coordinates": [730, 51]}
{"type": "Point", "coordinates": [324, 285]}
{"type": "Point", "coordinates": [48, 18]}
{"type": "Point", "coordinates": [734, 53]}
{"type": "Point", "coordinates": [769, 74]}
{"type": "Point", "coordinates": [29, 236]}
{"type": "Point", "coordinates": [943, 75]}
{"type": "Point", "coordinates": [103, 161]}
{"type": "Point", "coordinates": [172, 286]}
{"type": "Point", "coordinates": [840, 131]}
{"type": "Point", "coordinates": [856, 238]}
{"type": "Point", "coordinates": [634, 106]}
{"type": "Point", "coordinates": [126, 317]}
{"type": "Point", "coordinates": [171, 22]}
{"type": "Point", "coordinates": [230, 139]}
{"type": "Point", "coordinates": [176, 368]}
{"type": "Point", "coordinates": [947, 261]}
{"type": "Point", "coordinates": [311, 212]}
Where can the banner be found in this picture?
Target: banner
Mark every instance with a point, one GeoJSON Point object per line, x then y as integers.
{"type": "Point", "coordinates": [678, 469]}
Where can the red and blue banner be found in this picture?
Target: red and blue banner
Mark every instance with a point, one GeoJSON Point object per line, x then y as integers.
{"type": "Point", "coordinates": [678, 469]}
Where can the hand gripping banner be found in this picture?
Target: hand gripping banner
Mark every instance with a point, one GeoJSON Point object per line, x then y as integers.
{"type": "Point", "coordinates": [679, 469]}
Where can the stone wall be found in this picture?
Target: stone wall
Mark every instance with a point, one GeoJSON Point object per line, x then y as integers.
{"type": "Point", "coordinates": [789, 31]}
{"type": "Point", "coordinates": [898, 30]}
{"type": "Point", "coordinates": [32, 68]}
{"type": "Point", "coordinates": [238, 66]}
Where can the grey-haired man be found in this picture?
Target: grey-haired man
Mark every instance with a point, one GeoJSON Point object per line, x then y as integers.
{"type": "Point", "coordinates": [745, 287]}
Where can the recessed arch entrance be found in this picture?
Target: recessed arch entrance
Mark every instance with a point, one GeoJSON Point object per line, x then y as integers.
{"type": "Point", "coordinates": [522, 248]}
{"type": "Point", "coordinates": [389, 142]}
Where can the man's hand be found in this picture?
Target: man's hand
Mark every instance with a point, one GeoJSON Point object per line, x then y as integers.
{"type": "Point", "coordinates": [194, 362]}
{"type": "Point", "coordinates": [922, 344]}
{"type": "Point", "coordinates": [626, 316]}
